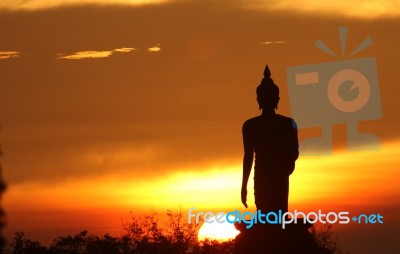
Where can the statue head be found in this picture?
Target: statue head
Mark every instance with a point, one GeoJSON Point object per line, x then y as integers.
{"type": "Point", "coordinates": [267, 92]}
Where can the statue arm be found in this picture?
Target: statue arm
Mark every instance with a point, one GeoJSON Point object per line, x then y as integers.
{"type": "Point", "coordinates": [247, 162]}
{"type": "Point", "coordinates": [294, 145]}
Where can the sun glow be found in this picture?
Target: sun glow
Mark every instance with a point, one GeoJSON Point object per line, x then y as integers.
{"type": "Point", "coordinates": [217, 231]}
{"type": "Point", "coordinates": [328, 183]}
{"type": "Point", "coordinates": [345, 176]}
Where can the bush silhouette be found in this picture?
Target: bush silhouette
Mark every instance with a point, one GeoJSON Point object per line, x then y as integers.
{"type": "Point", "coordinates": [21, 245]}
{"type": "Point", "coordinates": [324, 237]}
{"type": "Point", "coordinates": [146, 235]}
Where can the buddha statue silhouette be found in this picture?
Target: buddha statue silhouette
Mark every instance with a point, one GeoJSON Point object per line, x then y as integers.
{"type": "Point", "coordinates": [272, 139]}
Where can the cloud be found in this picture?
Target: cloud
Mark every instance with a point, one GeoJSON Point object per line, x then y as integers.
{"type": "Point", "coordinates": [9, 54]}
{"type": "Point", "coordinates": [45, 4]}
{"type": "Point", "coordinates": [272, 42]}
{"type": "Point", "coordinates": [365, 9]}
{"type": "Point", "coordinates": [87, 54]}
{"type": "Point", "coordinates": [356, 8]}
{"type": "Point", "coordinates": [94, 54]}
{"type": "Point", "coordinates": [155, 48]}
{"type": "Point", "coordinates": [134, 103]}
{"type": "Point", "coordinates": [124, 50]}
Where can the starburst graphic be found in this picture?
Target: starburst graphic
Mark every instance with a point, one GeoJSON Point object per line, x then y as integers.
{"type": "Point", "coordinates": [343, 40]}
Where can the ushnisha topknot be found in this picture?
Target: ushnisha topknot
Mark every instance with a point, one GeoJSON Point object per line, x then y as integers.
{"type": "Point", "coordinates": [267, 72]}
{"type": "Point", "coordinates": [267, 80]}
{"type": "Point", "coordinates": [267, 91]}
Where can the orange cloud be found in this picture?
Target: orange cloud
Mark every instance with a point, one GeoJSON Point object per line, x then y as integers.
{"type": "Point", "coordinates": [9, 54]}
{"type": "Point", "coordinates": [94, 54]}
{"type": "Point", "coordinates": [358, 8]}
{"type": "Point", "coordinates": [155, 48]}
{"type": "Point", "coordinates": [272, 42]}
{"type": "Point", "coordinates": [45, 4]}
{"type": "Point", "coordinates": [124, 50]}
{"type": "Point", "coordinates": [87, 54]}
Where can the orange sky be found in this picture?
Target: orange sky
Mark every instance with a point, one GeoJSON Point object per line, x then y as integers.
{"type": "Point", "coordinates": [112, 108]}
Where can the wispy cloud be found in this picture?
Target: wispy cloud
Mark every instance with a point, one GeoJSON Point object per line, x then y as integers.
{"type": "Point", "coordinates": [93, 54]}
{"type": "Point", "coordinates": [124, 50]}
{"type": "Point", "coordinates": [272, 42]}
{"type": "Point", "coordinates": [9, 54]}
{"type": "Point", "coordinates": [155, 48]}
{"type": "Point", "coordinates": [87, 54]}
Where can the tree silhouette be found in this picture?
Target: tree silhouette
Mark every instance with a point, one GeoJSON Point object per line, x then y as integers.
{"type": "Point", "coordinates": [2, 214]}
{"type": "Point", "coordinates": [146, 235]}
{"type": "Point", "coordinates": [21, 245]}
{"type": "Point", "coordinates": [324, 237]}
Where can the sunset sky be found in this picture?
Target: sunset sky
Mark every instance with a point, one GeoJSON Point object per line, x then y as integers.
{"type": "Point", "coordinates": [112, 106]}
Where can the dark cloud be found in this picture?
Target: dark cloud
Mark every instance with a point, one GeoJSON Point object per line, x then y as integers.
{"type": "Point", "coordinates": [182, 106]}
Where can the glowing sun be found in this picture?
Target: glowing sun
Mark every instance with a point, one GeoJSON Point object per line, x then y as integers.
{"type": "Point", "coordinates": [217, 231]}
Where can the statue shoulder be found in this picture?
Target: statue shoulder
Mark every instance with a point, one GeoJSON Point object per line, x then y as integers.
{"type": "Point", "coordinates": [251, 123]}
{"type": "Point", "coordinates": [287, 120]}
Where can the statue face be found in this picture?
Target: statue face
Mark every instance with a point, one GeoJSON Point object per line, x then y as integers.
{"type": "Point", "coordinates": [268, 102]}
